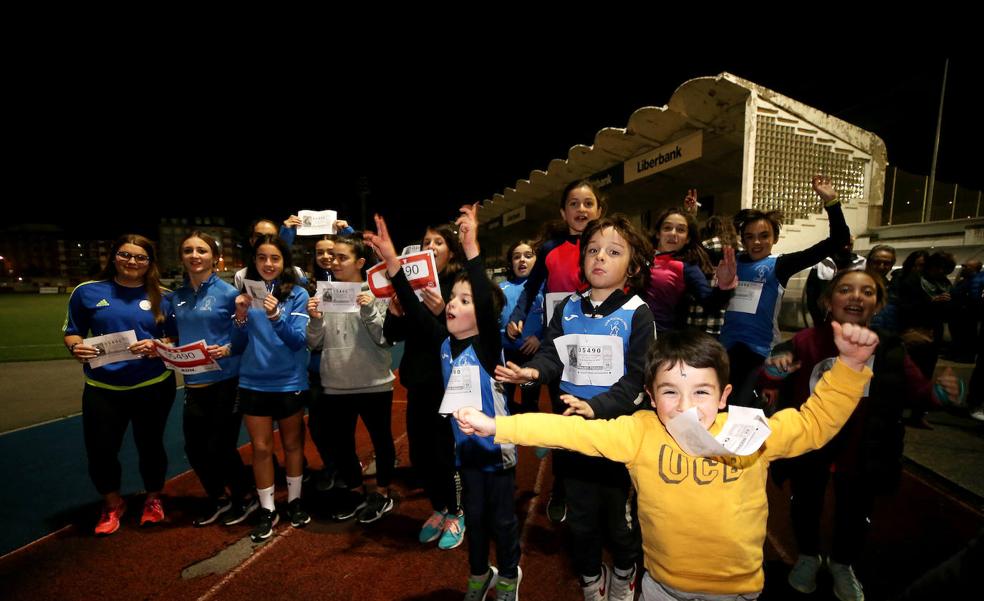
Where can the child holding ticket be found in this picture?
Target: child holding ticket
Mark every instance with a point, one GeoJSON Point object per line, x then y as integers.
{"type": "Point", "coordinates": [469, 353]}
{"type": "Point", "coordinates": [356, 379]}
{"type": "Point", "coordinates": [202, 310]}
{"type": "Point", "coordinates": [703, 518]}
{"type": "Point", "coordinates": [596, 345]}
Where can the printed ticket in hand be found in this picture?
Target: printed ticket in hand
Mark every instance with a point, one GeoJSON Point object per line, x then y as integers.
{"type": "Point", "coordinates": [187, 359]}
{"type": "Point", "coordinates": [316, 223]}
{"type": "Point", "coordinates": [552, 300]}
{"type": "Point", "coordinates": [742, 434]}
{"type": "Point", "coordinates": [420, 269]}
{"type": "Point", "coordinates": [257, 290]}
{"type": "Point", "coordinates": [112, 348]}
{"type": "Point", "coordinates": [590, 359]}
{"type": "Point", "coordinates": [338, 297]}
{"type": "Point", "coordinates": [464, 389]}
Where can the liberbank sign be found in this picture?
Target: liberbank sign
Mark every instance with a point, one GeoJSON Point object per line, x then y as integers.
{"type": "Point", "coordinates": [663, 158]}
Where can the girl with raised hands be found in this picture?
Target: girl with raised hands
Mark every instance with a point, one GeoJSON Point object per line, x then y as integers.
{"type": "Point", "coordinates": [750, 327]}
{"type": "Point", "coordinates": [428, 434]}
{"type": "Point", "coordinates": [678, 268]}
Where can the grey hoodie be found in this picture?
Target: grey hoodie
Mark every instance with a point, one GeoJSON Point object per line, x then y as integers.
{"type": "Point", "coordinates": [355, 356]}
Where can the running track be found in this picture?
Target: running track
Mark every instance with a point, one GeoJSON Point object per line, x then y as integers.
{"type": "Point", "coordinates": [46, 488]}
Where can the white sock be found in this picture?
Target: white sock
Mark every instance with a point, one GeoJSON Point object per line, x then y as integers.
{"type": "Point", "coordinates": [266, 498]}
{"type": "Point", "coordinates": [294, 487]}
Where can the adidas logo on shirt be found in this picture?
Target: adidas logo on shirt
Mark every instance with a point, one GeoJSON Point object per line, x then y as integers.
{"type": "Point", "coordinates": [103, 303]}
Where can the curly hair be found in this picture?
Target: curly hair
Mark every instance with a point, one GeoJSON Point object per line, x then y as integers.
{"type": "Point", "coordinates": [637, 275]}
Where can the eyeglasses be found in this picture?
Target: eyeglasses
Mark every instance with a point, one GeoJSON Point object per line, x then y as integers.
{"type": "Point", "coordinates": [127, 256]}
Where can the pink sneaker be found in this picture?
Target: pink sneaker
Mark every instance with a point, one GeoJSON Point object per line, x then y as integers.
{"type": "Point", "coordinates": [153, 512]}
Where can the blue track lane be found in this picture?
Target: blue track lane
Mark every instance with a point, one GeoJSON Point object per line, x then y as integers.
{"type": "Point", "coordinates": [45, 474]}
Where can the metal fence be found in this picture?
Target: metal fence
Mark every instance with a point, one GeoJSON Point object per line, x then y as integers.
{"type": "Point", "coordinates": [907, 200]}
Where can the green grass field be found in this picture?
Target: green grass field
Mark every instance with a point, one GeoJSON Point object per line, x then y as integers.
{"type": "Point", "coordinates": [31, 327]}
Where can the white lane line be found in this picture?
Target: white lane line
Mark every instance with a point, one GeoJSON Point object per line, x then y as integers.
{"type": "Point", "coordinates": [51, 421]}
{"type": "Point", "coordinates": [32, 543]}
{"type": "Point", "coordinates": [256, 555]}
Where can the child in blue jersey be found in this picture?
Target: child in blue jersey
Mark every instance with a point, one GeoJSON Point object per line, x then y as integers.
{"type": "Point", "coordinates": [557, 273]}
{"type": "Point", "coordinates": [273, 381]}
{"type": "Point", "coordinates": [750, 329]}
{"type": "Point", "coordinates": [202, 309]}
{"type": "Point", "coordinates": [127, 296]}
{"type": "Point", "coordinates": [468, 359]}
{"type": "Point", "coordinates": [521, 259]}
{"type": "Point", "coordinates": [596, 345]}
{"type": "Point", "coordinates": [356, 382]}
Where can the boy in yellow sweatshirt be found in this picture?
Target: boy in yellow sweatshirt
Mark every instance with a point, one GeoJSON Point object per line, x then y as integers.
{"type": "Point", "coordinates": [703, 519]}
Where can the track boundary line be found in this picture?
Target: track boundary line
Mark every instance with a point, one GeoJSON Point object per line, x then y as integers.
{"type": "Point", "coordinates": [218, 586]}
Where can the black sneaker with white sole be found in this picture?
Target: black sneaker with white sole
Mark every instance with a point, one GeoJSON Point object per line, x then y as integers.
{"type": "Point", "coordinates": [376, 506]}
{"type": "Point", "coordinates": [216, 509]}
{"type": "Point", "coordinates": [240, 511]}
{"type": "Point", "coordinates": [298, 517]}
{"type": "Point", "coordinates": [264, 525]}
{"type": "Point", "coordinates": [349, 503]}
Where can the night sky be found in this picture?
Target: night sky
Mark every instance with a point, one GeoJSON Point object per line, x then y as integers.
{"type": "Point", "coordinates": [123, 142]}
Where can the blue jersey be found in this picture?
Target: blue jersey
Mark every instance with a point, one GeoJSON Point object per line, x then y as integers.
{"type": "Point", "coordinates": [275, 358]}
{"type": "Point", "coordinates": [533, 326]}
{"type": "Point", "coordinates": [751, 316]}
{"type": "Point", "coordinates": [478, 451]}
{"type": "Point", "coordinates": [104, 307]}
{"type": "Point", "coordinates": [617, 325]}
{"type": "Point", "coordinates": [206, 314]}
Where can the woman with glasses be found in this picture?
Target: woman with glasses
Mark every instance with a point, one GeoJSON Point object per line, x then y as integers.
{"type": "Point", "coordinates": [126, 296]}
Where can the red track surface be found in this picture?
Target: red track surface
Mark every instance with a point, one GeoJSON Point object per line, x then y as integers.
{"type": "Point", "coordinates": [381, 561]}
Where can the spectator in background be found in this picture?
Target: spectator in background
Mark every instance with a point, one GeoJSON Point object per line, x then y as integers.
{"type": "Point", "coordinates": [924, 301]}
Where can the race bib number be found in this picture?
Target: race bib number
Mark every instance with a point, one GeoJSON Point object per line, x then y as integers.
{"type": "Point", "coordinates": [464, 389]}
{"type": "Point", "coordinates": [746, 298]}
{"type": "Point", "coordinates": [590, 359]}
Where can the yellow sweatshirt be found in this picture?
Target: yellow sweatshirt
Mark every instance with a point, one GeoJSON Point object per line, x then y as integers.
{"type": "Point", "coordinates": [703, 520]}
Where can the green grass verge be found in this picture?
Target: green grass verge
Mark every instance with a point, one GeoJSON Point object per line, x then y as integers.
{"type": "Point", "coordinates": [31, 327]}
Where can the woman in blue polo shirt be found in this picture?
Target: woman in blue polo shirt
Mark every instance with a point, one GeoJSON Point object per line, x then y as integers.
{"type": "Point", "coordinates": [273, 379]}
{"type": "Point", "coordinates": [202, 309]}
{"type": "Point", "coordinates": [127, 296]}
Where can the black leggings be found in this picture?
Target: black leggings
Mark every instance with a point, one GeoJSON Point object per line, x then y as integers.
{"type": "Point", "coordinates": [105, 417]}
{"type": "Point", "coordinates": [601, 506]}
{"type": "Point", "coordinates": [211, 431]}
{"type": "Point", "coordinates": [852, 506]}
{"type": "Point", "coordinates": [432, 447]}
{"type": "Point", "coordinates": [376, 411]}
{"type": "Point", "coordinates": [490, 512]}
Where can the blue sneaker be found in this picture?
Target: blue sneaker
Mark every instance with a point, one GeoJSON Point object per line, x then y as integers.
{"type": "Point", "coordinates": [433, 527]}
{"type": "Point", "coordinates": [454, 532]}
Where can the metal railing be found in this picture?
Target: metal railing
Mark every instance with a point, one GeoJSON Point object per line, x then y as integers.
{"type": "Point", "coordinates": [907, 200]}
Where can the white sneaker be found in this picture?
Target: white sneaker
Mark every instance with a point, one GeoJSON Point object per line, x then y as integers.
{"type": "Point", "coordinates": [978, 414]}
{"type": "Point", "coordinates": [597, 590]}
{"type": "Point", "coordinates": [622, 589]}
{"type": "Point", "coordinates": [846, 585]}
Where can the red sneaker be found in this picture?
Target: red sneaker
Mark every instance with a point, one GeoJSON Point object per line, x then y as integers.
{"type": "Point", "coordinates": [153, 512]}
{"type": "Point", "coordinates": [109, 520]}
